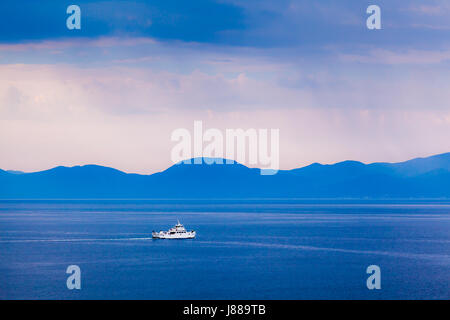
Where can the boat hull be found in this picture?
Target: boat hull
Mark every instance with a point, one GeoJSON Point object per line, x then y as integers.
{"type": "Point", "coordinates": [166, 235]}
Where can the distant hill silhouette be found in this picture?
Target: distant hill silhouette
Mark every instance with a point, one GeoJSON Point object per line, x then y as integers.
{"type": "Point", "coordinates": [417, 178]}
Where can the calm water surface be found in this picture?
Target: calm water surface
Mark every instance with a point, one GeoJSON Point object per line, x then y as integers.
{"type": "Point", "coordinates": [243, 250]}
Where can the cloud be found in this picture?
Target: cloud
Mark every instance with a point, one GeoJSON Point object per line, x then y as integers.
{"type": "Point", "coordinates": [380, 56]}
{"type": "Point", "coordinates": [232, 80]}
{"type": "Point", "coordinates": [200, 21]}
{"type": "Point", "coordinates": [258, 24]}
{"type": "Point", "coordinates": [438, 8]}
{"type": "Point", "coordinates": [65, 44]}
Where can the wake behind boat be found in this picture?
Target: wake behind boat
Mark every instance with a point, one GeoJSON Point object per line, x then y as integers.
{"type": "Point", "coordinates": [177, 232]}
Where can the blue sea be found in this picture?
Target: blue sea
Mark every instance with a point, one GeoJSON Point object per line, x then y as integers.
{"type": "Point", "coordinates": [286, 249]}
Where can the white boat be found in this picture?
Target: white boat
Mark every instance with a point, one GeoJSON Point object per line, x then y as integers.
{"type": "Point", "coordinates": [177, 232]}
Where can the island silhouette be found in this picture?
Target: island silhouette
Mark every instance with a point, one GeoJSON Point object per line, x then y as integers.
{"type": "Point", "coordinates": [417, 178]}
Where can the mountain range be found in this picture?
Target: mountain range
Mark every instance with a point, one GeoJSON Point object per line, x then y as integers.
{"type": "Point", "coordinates": [417, 178]}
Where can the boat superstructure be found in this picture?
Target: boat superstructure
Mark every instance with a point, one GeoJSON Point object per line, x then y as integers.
{"type": "Point", "coordinates": [177, 232]}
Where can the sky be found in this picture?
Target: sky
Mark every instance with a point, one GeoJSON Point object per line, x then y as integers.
{"type": "Point", "coordinates": [112, 92]}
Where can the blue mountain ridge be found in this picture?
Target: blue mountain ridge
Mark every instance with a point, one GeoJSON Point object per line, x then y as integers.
{"type": "Point", "coordinates": [417, 178]}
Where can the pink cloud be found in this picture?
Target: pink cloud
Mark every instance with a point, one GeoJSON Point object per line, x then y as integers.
{"type": "Point", "coordinates": [381, 56]}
